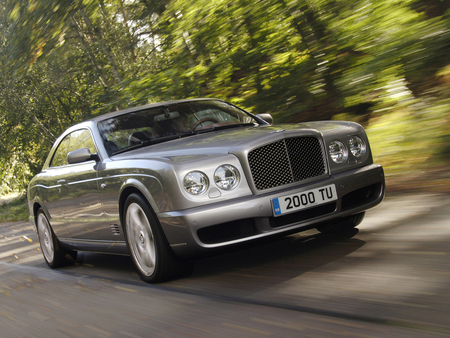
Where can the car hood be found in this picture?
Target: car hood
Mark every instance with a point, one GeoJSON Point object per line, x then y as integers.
{"type": "Point", "coordinates": [221, 142]}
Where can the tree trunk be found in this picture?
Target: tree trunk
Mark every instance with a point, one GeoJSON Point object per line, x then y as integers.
{"type": "Point", "coordinates": [102, 44]}
{"type": "Point", "coordinates": [88, 50]}
{"type": "Point", "coordinates": [314, 35]}
{"type": "Point", "coordinates": [128, 32]}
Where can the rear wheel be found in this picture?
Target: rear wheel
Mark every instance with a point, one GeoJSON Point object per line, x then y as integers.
{"type": "Point", "coordinates": [345, 225]}
{"type": "Point", "coordinates": [151, 254]}
{"type": "Point", "coordinates": [54, 256]}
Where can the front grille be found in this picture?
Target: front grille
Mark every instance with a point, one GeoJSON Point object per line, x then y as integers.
{"type": "Point", "coordinates": [302, 215]}
{"type": "Point", "coordinates": [286, 161]}
{"type": "Point", "coordinates": [229, 231]}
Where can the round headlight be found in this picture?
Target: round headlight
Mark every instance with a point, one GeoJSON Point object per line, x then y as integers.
{"type": "Point", "coordinates": [357, 146]}
{"type": "Point", "coordinates": [338, 151]}
{"type": "Point", "coordinates": [196, 182]}
{"type": "Point", "coordinates": [226, 177]}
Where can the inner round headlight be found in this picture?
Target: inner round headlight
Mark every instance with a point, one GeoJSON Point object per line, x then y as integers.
{"type": "Point", "coordinates": [196, 182]}
{"type": "Point", "coordinates": [226, 177]}
{"type": "Point", "coordinates": [338, 152]}
{"type": "Point", "coordinates": [357, 146]}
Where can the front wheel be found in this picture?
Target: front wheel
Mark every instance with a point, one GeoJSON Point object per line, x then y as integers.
{"type": "Point", "coordinates": [151, 255]}
{"type": "Point", "coordinates": [54, 256]}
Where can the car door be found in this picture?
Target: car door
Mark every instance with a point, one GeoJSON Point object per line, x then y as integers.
{"type": "Point", "coordinates": [83, 211]}
{"type": "Point", "coordinates": [53, 179]}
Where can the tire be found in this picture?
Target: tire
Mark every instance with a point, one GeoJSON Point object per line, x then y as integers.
{"type": "Point", "coordinates": [343, 226]}
{"type": "Point", "coordinates": [154, 260]}
{"type": "Point", "coordinates": [54, 256]}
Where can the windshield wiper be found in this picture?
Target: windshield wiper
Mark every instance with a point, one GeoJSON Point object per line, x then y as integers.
{"type": "Point", "coordinates": [227, 126]}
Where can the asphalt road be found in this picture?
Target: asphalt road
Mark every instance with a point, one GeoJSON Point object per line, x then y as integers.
{"type": "Point", "coordinates": [391, 279]}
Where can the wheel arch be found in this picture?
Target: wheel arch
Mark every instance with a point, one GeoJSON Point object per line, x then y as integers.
{"type": "Point", "coordinates": [35, 208]}
{"type": "Point", "coordinates": [32, 211]}
{"type": "Point", "coordinates": [134, 186]}
{"type": "Point", "coordinates": [167, 265]}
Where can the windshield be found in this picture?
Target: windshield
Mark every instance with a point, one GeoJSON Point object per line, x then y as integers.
{"type": "Point", "coordinates": [168, 122]}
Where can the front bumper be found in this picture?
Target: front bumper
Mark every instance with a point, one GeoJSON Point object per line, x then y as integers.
{"type": "Point", "coordinates": [200, 230]}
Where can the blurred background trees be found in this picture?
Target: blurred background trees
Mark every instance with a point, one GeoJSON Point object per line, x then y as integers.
{"type": "Point", "coordinates": [384, 64]}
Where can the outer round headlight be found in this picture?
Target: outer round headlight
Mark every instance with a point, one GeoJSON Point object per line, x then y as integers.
{"type": "Point", "coordinates": [338, 152]}
{"type": "Point", "coordinates": [226, 177]}
{"type": "Point", "coordinates": [196, 182]}
{"type": "Point", "coordinates": [357, 146]}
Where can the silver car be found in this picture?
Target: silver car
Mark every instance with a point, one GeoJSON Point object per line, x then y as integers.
{"type": "Point", "coordinates": [172, 181]}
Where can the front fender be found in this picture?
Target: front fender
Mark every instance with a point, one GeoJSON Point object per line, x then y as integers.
{"type": "Point", "coordinates": [133, 183]}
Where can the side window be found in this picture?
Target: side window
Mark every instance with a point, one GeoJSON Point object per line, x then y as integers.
{"type": "Point", "coordinates": [81, 139]}
{"type": "Point", "coordinates": [76, 140]}
{"type": "Point", "coordinates": [60, 156]}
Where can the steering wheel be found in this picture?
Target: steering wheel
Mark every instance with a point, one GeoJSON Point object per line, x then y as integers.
{"type": "Point", "coordinates": [206, 119]}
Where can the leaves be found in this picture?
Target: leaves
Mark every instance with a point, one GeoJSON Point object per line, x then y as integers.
{"type": "Point", "coordinates": [63, 61]}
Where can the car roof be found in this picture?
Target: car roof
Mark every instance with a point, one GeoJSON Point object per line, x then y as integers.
{"type": "Point", "coordinates": [152, 105]}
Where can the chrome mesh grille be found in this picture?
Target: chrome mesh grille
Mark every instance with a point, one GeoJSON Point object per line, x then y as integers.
{"type": "Point", "coordinates": [286, 161]}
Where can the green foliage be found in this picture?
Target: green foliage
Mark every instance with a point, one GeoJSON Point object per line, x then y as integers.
{"type": "Point", "coordinates": [37, 27]}
{"type": "Point", "coordinates": [376, 62]}
{"type": "Point", "coordinates": [16, 210]}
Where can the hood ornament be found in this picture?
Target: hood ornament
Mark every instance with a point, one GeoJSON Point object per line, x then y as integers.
{"type": "Point", "coordinates": [277, 131]}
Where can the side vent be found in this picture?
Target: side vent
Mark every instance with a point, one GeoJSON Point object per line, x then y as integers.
{"type": "Point", "coordinates": [115, 228]}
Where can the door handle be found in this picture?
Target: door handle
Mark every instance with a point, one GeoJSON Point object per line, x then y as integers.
{"type": "Point", "coordinates": [61, 181]}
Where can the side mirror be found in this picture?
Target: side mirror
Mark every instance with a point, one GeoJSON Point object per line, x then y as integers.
{"type": "Point", "coordinates": [266, 117]}
{"type": "Point", "coordinates": [81, 155]}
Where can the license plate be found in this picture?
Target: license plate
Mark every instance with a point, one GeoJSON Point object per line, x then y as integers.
{"type": "Point", "coordinates": [303, 200]}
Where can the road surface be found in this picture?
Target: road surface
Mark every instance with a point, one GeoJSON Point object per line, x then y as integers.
{"type": "Point", "coordinates": [391, 279]}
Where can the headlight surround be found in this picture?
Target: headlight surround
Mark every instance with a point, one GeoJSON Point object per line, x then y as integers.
{"type": "Point", "coordinates": [357, 146]}
{"type": "Point", "coordinates": [338, 151]}
{"type": "Point", "coordinates": [227, 177]}
{"type": "Point", "coordinates": [196, 182]}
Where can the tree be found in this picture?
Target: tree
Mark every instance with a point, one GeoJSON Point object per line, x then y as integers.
{"type": "Point", "coordinates": [63, 61]}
